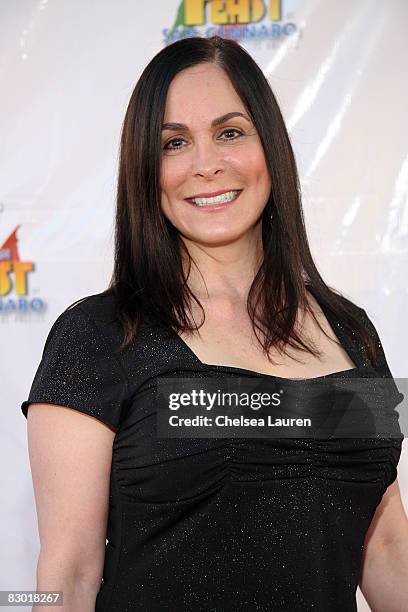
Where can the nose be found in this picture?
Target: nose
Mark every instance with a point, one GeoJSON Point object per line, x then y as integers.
{"type": "Point", "coordinates": [207, 160]}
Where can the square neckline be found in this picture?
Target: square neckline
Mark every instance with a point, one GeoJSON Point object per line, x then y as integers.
{"type": "Point", "coordinates": [339, 335]}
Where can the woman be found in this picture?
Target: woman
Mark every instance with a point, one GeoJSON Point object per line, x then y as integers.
{"type": "Point", "coordinates": [203, 286]}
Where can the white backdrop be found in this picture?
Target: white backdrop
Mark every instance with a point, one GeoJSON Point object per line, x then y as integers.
{"type": "Point", "coordinates": [67, 71]}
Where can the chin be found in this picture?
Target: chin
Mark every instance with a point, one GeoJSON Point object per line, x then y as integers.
{"type": "Point", "coordinates": [218, 240]}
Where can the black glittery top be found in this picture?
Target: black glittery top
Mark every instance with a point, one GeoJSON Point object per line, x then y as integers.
{"type": "Point", "coordinates": [214, 524]}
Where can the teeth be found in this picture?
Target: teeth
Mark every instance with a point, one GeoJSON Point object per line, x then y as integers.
{"type": "Point", "coordinates": [224, 197]}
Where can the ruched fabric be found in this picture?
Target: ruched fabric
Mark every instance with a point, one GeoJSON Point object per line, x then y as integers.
{"type": "Point", "coordinates": [210, 524]}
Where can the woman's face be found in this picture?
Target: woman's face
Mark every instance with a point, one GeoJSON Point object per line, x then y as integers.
{"type": "Point", "coordinates": [201, 159]}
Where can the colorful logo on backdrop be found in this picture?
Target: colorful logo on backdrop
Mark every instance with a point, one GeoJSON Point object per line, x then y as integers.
{"type": "Point", "coordinates": [258, 21]}
{"type": "Point", "coordinates": [14, 279]}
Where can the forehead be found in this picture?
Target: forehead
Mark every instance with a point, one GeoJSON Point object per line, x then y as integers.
{"type": "Point", "coordinates": [202, 91]}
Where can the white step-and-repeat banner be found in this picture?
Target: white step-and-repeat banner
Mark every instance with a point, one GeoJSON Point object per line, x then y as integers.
{"type": "Point", "coordinates": [67, 71]}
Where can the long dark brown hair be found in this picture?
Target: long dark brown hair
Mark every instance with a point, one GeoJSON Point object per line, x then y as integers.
{"type": "Point", "coordinates": [148, 280]}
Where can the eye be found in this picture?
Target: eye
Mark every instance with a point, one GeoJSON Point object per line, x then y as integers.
{"type": "Point", "coordinates": [167, 146]}
{"type": "Point", "coordinates": [232, 130]}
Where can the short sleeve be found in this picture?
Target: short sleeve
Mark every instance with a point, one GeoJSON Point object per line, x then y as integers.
{"type": "Point", "coordinates": [395, 397]}
{"type": "Point", "coordinates": [80, 370]}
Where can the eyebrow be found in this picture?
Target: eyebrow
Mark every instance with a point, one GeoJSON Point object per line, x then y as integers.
{"type": "Point", "coordinates": [175, 127]}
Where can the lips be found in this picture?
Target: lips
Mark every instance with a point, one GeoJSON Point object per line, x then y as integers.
{"type": "Point", "coordinates": [211, 195]}
{"type": "Point", "coordinates": [214, 207]}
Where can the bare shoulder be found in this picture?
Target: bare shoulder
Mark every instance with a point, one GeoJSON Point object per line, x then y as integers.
{"type": "Point", "coordinates": [308, 325]}
{"type": "Point", "coordinates": [321, 317]}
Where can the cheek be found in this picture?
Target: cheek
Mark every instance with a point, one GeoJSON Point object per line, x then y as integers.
{"type": "Point", "coordinates": [251, 164]}
{"type": "Point", "coordinates": [172, 185]}
{"type": "Point", "coordinates": [258, 166]}
{"type": "Point", "coordinates": [172, 175]}
{"type": "Point", "coordinates": [257, 178]}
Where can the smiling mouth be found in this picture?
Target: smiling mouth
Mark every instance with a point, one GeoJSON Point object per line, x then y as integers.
{"type": "Point", "coordinates": [223, 198]}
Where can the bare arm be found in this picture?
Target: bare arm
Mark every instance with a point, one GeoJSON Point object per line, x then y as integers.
{"type": "Point", "coordinates": [384, 578]}
{"type": "Point", "coordinates": [70, 457]}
